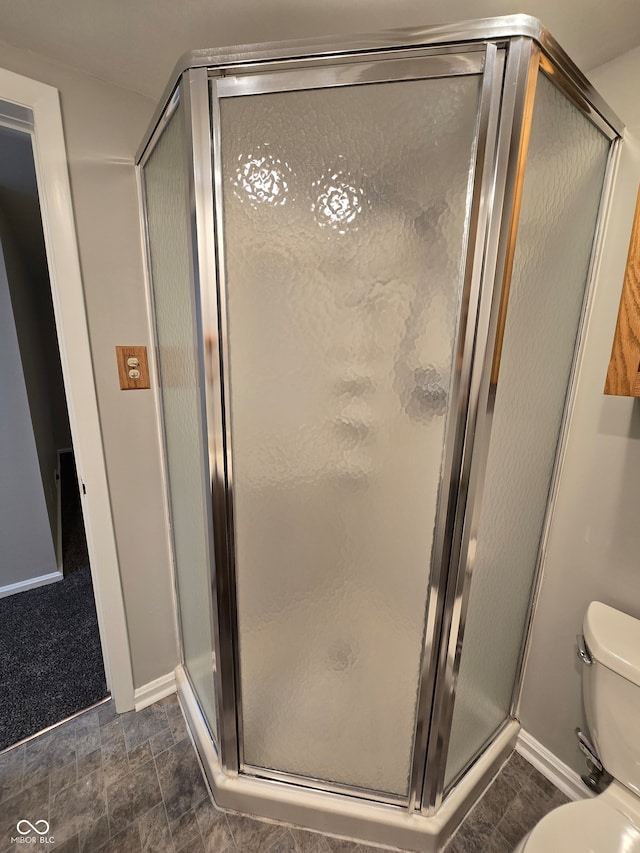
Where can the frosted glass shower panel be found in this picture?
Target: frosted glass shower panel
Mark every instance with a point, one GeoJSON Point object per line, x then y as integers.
{"type": "Point", "coordinates": [344, 230]}
{"type": "Point", "coordinates": [561, 195]}
{"type": "Point", "coordinates": [165, 184]}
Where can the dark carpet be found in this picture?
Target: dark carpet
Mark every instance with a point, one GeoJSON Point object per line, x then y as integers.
{"type": "Point", "coordinates": [50, 654]}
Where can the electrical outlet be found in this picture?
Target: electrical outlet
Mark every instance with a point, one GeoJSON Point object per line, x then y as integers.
{"type": "Point", "coordinates": [133, 370]}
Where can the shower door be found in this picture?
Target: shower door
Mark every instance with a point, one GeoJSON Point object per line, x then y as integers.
{"type": "Point", "coordinates": [343, 198]}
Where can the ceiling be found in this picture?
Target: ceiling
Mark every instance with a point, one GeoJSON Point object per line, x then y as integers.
{"type": "Point", "coordinates": [136, 43]}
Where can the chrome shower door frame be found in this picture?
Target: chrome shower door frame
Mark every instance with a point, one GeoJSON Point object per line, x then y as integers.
{"type": "Point", "coordinates": [488, 61]}
{"type": "Point", "coordinates": [510, 154]}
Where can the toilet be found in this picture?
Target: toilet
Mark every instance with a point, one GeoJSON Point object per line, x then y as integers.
{"type": "Point", "coordinates": [610, 822]}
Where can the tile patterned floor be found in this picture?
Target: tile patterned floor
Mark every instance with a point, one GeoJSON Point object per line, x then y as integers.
{"type": "Point", "coordinates": [132, 783]}
{"type": "Point", "coordinates": [518, 798]}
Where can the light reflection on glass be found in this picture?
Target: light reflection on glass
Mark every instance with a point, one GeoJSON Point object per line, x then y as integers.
{"type": "Point", "coordinates": [338, 202]}
{"type": "Point", "coordinates": [262, 178]}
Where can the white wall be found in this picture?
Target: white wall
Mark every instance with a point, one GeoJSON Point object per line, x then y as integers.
{"type": "Point", "coordinates": [594, 545]}
{"type": "Point", "coordinates": [26, 541]}
{"type": "Point", "coordinates": [103, 126]}
{"type": "Point", "coordinates": [36, 363]}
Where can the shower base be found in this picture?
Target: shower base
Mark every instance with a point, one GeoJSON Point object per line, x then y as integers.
{"type": "Point", "coordinates": [343, 816]}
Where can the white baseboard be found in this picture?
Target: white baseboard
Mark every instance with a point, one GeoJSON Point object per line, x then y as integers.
{"type": "Point", "coordinates": [154, 691]}
{"type": "Point", "coordinates": [30, 583]}
{"type": "Point", "coordinates": [562, 776]}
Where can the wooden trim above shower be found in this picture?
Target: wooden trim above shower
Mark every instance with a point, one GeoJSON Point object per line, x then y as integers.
{"type": "Point", "coordinates": [623, 375]}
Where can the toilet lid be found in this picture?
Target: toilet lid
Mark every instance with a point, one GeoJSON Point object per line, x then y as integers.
{"type": "Point", "coordinates": [589, 826]}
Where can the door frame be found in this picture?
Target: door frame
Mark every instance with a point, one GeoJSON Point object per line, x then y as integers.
{"type": "Point", "coordinates": [67, 295]}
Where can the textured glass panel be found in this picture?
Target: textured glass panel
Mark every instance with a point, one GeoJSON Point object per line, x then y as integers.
{"type": "Point", "coordinates": [167, 221]}
{"type": "Point", "coordinates": [344, 230]}
{"type": "Point", "coordinates": [562, 188]}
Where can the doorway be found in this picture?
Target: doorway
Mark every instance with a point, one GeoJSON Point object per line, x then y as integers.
{"type": "Point", "coordinates": [33, 108]}
{"type": "Point", "coordinates": [51, 651]}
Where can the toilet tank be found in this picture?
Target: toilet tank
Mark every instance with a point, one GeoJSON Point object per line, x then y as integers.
{"type": "Point", "coordinates": [611, 687]}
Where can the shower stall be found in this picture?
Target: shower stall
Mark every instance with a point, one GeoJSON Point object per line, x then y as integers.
{"type": "Point", "coordinates": [369, 265]}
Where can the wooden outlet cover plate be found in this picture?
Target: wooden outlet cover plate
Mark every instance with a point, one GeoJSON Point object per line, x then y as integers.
{"type": "Point", "coordinates": [122, 355]}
